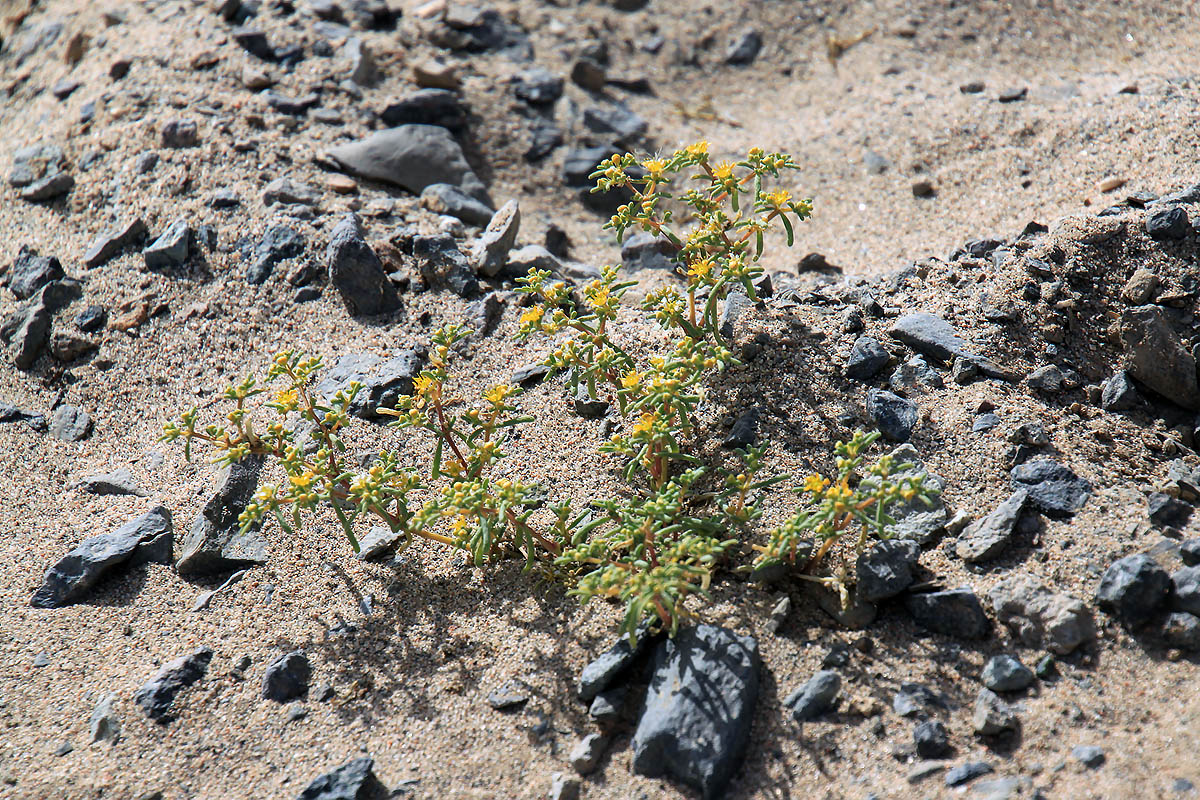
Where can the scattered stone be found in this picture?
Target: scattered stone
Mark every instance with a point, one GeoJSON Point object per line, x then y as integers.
{"type": "Point", "coordinates": [992, 715]}
{"type": "Point", "coordinates": [434, 74]}
{"type": "Point", "coordinates": [411, 157]}
{"type": "Point", "coordinates": [1189, 552]}
{"type": "Point", "coordinates": [986, 538]}
{"type": "Point", "coordinates": [1168, 223]}
{"type": "Point", "coordinates": [1054, 489]}
{"type": "Point", "coordinates": [289, 192]}
{"type": "Point", "coordinates": [48, 188]}
{"type": "Point", "coordinates": [1133, 588]}
{"type": "Point", "coordinates": [287, 677]}
{"type": "Point", "coordinates": [1118, 393]}
{"type": "Point", "coordinates": [438, 107]}
{"type": "Point", "coordinates": [70, 424]}
{"type": "Point", "coordinates": [91, 319]}
{"type": "Point", "coordinates": [915, 700]}
{"type": "Point", "coordinates": [965, 773]}
{"type": "Point", "coordinates": [105, 725]}
{"type": "Point", "coordinates": [744, 49]}
{"type": "Point", "coordinates": [779, 614]}
{"type": "Point", "coordinates": [1039, 617]}
{"type": "Point", "coordinates": [32, 164]}
{"type": "Point", "coordinates": [1155, 356]}
{"type": "Point", "coordinates": [624, 126]}
{"type": "Point", "coordinates": [224, 198]}
{"type": "Point", "coordinates": [894, 416]}
{"type": "Point", "coordinates": [378, 542]}
{"type": "Point", "coordinates": [935, 339]}
{"type": "Point", "coordinates": [180, 133]}
{"type": "Point", "coordinates": [1140, 287]}
{"type": "Point", "coordinates": [384, 381]}
{"type": "Point", "coordinates": [885, 570]}
{"type": "Point", "coordinates": [170, 249]}
{"type": "Point", "coordinates": [1013, 95]}
{"type": "Point", "coordinates": [915, 375]}
{"type": "Point", "coordinates": [30, 272]}
{"type": "Point", "coordinates": [606, 707]}
{"type": "Point", "coordinates": [119, 481]}
{"type": "Point", "coordinates": [538, 86]}
{"type": "Point", "coordinates": [215, 543]}
{"type": "Point", "coordinates": [444, 198]}
{"type": "Point", "coordinates": [509, 696]}
{"type": "Point", "coordinates": [931, 740]}
{"type": "Point", "coordinates": [867, 358]}
{"type": "Point", "coordinates": [279, 243]}
{"type": "Point", "coordinates": [491, 251]}
{"type": "Point", "coordinates": [589, 75]}
{"type": "Point", "coordinates": [586, 406]}
{"type": "Point", "coordinates": [856, 616]}
{"type": "Point", "coordinates": [643, 251]}
{"type": "Point", "coordinates": [1182, 630]}
{"type": "Point", "coordinates": [815, 697]}
{"type": "Point", "coordinates": [1089, 755]}
{"type": "Point", "coordinates": [113, 241]}
{"type": "Point", "coordinates": [1166, 511]}
{"type": "Point", "coordinates": [157, 696]}
{"type": "Point", "coordinates": [953, 612]}
{"type": "Point", "coordinates": [972, 87]}
{"type": "Point", "coordinates": [363, 69]}
{"type": "Point", "coordinates": [64, 88]}
{"type": "Point", "coordinates": [602, 671]}
{"type": "Point", "coordinates": [96, 557]}
{"type": "Point", "coordinates": [586, 754]}
{"type": "Point", "coordinates": [923, 188]}
{"type": "Point", "coordinates": [1047, 379]}
{"type": "Point", "coordinates": [1006, 674]}
{"type": "Point", "coordinates": [441, 263]}
{"type": "Point", "coordinates": [357, 273]}
{"type": "Point", "coordinates": [350, 781]}
{"type": "Point", "coordinates": [563, 788]}
{"type": "Point", "coordinates": [1186, 594]}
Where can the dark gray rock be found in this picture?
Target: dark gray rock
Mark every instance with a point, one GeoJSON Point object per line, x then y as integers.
{"type": "Point", "coordinates": [587, 406]}
{"type": "Point", "coordinates": [931, 740]}
{"type": "Point", "coordinates": [544, 139]}
{"type": "Point", "coordinates": [384, 380]}
{"type": "Point", "coordinates": [1185, 196]}
{"type": "Point", "coordinates": [1054, 489]}
{"type": "Point", "coordinates": [444, 198]}
{"type": "Point", "coordinates": [280, 242]}
{"type": "Point", "coordinates": [744, 431]}
{"type": "Point", "coordinates": [964, 773]}
{"type": "Point", "coordinates": [1133, 588]}
{"type": "Point", "coordinates": [119, 481]}
{"type": "Point", "coordinates": [94, 558]}
{"type": "Point", "coordinates": [31, 164]}
{"type": "Point", "coordinates": [439, 107]}
{"type": "Point", "coordinates": [31, 330]}
{"type": "Point", "coordinates": [623, 126]}
{"type": "Point", "coordinates": [170, 249]}
{"type": "Point", "coordinates": [104, 724]}
{"type": "Point", "coordinates": [30, 272]}
{"type": "Point", "coordinates": [1038, 617]}
{"type": "Point", "coordinates": [916, 700]}
{"type": "Point", "coordinates": [70, 424]}
{"type": "Point", "coordinates": [215, 542]}
{"type": "Point", "coordinates": [91, 319]}
{"type": "Point", "coordinates": [157, 696]}
{"type": "Point", "coordinates": [357, 273]}
{"type": "Point", "coordinates": [894, 416]}
{"type": "Point", "coordinates": [1182, 630]}
{"type": "Point", "coordinates": [1047, 379]}
{"type": "Point", "coordinates": [113, 241]}
{"type": "Point", "coordinates": [915, 519]}
{"type": "Point", "coordinates": [1186, 590]}
{"type": "Point", "coordinates": [867, 358]}
{"type": "Point", "coordinates": [586, 754]}
{"type": "Point", "coordinates": [645, 251]}
{"type": "Point", "coordinates": [581, 162]}
{"type": "Point", "coordinates": [1189, 552]}
{"type": "Point", "coordinates": [886, 569]}
{"type": "Point", "coordinates": [351, 781]}
{"type": "Point", "coordinates": [491, 250]}
{"type": "Point", "coordinates": [289, 192]}
{"type": "Point", "coordinates": [1004, 673]}
{"type": "Point", "coordinates": [815, 697]}
{"type": "Point", "coordinates": [48, 188]}
{"type": "Point", "coordinates": [254, 42]}
{"type": "Point", "coordinates": [532, 256]}
{"type": "Point", "coordinates": [915, 375]}
{"type": "Point", "coordinates": [442, 264]}
{"type": "Point", "coordinates": [953, 612]}
{"type": "Point", "coordinates": [699, 708]}
{"type": "Point", "coordinates": [538, 86]}
{"type": "Point", "coordinates": [1166, 511]}
{"type": "Point", "coordinates": [936, 339]}
{"type": "Point", "coordinates": [1089, 755]}
{"type": "Point", "coordinates": [224, 198]}
{"type": "Point", "coordinates": [287, 677]}
{"type": "Point", "coordinates": [744, 49]}
{"type": "Point", "coordinates": [512, 694]}
{"type": "Point", "coordinates": [988, 537]}
{"type": "Point", "coordinates": [1155, 356]}
{"type": "Point", "coordinates": [530, 374]}
{"type": "Point", "coordinates": [178, 133]}
{"type": "Point", "coordinates": [992, 715]}
{"type": "Point", "coordinates": [411, 157]}
{"type": "Point", "coordinates": [1168, 223]}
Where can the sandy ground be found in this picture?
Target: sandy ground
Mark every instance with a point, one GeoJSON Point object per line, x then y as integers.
{"type": "Point", "coordinates": [411, 678]}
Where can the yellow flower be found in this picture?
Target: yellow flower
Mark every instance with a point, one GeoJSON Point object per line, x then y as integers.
{"type": "Point", "coordinates": [631, 379]}
{"type": "Point", "coordinates": [655, 167]}
{"type": "Point", "coordinates": [723, 171]}
{"type": "Point", "coordinates": [532, 316]}
{"type": "Point", "coordinates": [304, 480]}
{"type": "Point", "coordinates": [778, 200]}
{"type": "Point", "coordinates": [697, 150]}
{"type": "Point", "coordinates": [700, 269]}
{"type": "Point", "coordinates": [645, 424]}
{"type": "Point", "coordinates": [421, 385]}
{"type": "Point", "coordinates": [498, 394]}
{"type": "Point", "coordinates": [814, 483]}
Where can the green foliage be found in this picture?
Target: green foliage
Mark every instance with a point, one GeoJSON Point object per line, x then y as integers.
{"type": "Point", "coordinates": [659, 542]}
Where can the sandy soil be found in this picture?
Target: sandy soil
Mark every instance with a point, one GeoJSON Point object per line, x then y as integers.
{"type": "Point", "coordinates": [411, 678]}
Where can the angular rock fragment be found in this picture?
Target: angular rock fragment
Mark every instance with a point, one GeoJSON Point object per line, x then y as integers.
{"type": "Point", "coordinates": [113, 241]}
{"type": "Point", "coordinates": [491, 251]}
{"type": "Point", "coordinates": [954, 612]}
{"type": "Point", "coordinates": [444, 198]}
{"type": "Point", "coordinates": [287, 677]}
{"type": "Point", "coordinates": [1134, 588]}
{"type": "Point", "coordinates": [1039, 617]}
{"type": "Point", "coordinates": [1053, 488]}
{"type": "Point", "coordinates": [1156, 357]}
{"type": "Point", "coordinates": [157, 696]}
{"type": "Point", "coordinates": [357, 273]}
{"type": "Point", "coordinates": [215, 542]}
{"type": "Point", "coordinates": [384, 380]}
{"type": "Point", "coordinates": [986, 538]}
{"type": "Point", "coordinates": [411, 157]}
{"type": "Point", "coordinates": [170, 249]}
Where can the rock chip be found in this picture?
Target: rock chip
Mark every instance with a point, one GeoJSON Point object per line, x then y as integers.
{"type": "Point", "coordinates": [35, 163]}
{"type": "Point", "coordinates": [815, 697]}
{"type": "Point", "coordinates": [604, 670]}
{"type": "Point", "coordinates": [384, 380]}
{"type": "Point", "coordinates": [867, 358]}
{"type": "Point", "coordinates": [931, 740]}
{"type": "Point", "coordinates": [351, 781]}
{"type": "Point", "coordinates": [744, 49]}
{"type": "Point", "coordinates": [1118, 393]}
{"type": "Point", "coordinates": [563, 788]}
{"type": "Point", "coordinates": [894, 416]}
{"type": "Point", "coordinates": [885, 570]}
{"type": "Point", "coordinates": [280, 242]}
{"type": "Point", "coordinates": [104, 724]}
{"type": "Point", "coordinates": [1181, 629]}
{"type": "Point", "coordinates": [1039, 617]}
{"type": "Point", "coordinates": [642, 250]}
{"type": "Point", "coordinates": [289, 192]}
{"type": "Point", "coordinates": [491, 251]}
{"type": "Point", "coordinates": [444, 198]}
{"type": "Point", "coordinates": [179, 133]}
{"type": "Point", "coordinates": [411, 157]}
{"type": "Point", "coordinates": [119, 481]}
{"type": "Point", "coordinates": [287, 677]}
{"type": "Point", "coordinates": [1133, 588]}
{"type": "Point", "coordinates": [1054, 489]}
{"type": "Point", "coordinates": [992, 715]}
{"type": "Point", "coordinates": [916, 700]}
{"type": "Point", "coordinates": [699, 708]}
{"type": "Point", "coordinates": [157, 696]}
{"type": "Point", "coordinates": [215, 542]}
{"type": "Point", "coordinates": [427, 107]}
{"type": "Point", "coordinates": [953, 612]}
{"type": "Point", "coordinates": [30, 272]}
{"type": "Point", "coordinates": [441, 263]}
{"type": "Point", "coordinates": [964, 773]}
{"type": "Point", "coordinates": [96, 557]}
{"type": "Point", "coordinates": [936, 339]}
{"type": "Point", "coordinates": [1004, 673]}
{"type": "Point", "coordinates": [113, 241]}
{"type": "Point", "coordinates": [986, 538]}
{"type": "Point", "coordinates": [357, 273]}
{"type": "Point", "coordinates": [70, 424]}
{"type": "Point", "coordinates": [1089, 755]}
{"type": "Point", "coordinates": [586, 754]}
{"type": "Point", "coordinates": [1186, 590]}
{"type": "Point", "coordinates": [538, 86]}
{"type": "Point", "coordinates": [1155, 356]}
{"type": "Point", "coordinates": [1168, 223]}
{"type": "Point", "coordinates": [170, 249]}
